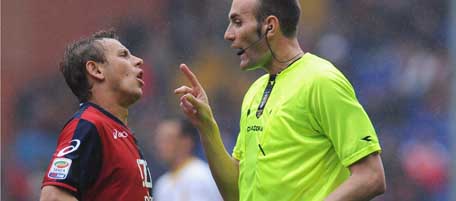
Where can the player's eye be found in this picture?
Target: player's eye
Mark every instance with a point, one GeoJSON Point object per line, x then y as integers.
{"type": "Point", "coordinates": [124, 53]}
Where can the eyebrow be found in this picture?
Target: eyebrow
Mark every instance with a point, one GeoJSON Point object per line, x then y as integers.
{"type": "Point", "coordinates": [233, 15]}
{"type": "Point", "coordinates": [124, 50]}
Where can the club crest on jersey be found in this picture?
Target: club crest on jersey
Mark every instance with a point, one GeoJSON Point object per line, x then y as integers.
{"type": "Point", "coordinates": [59, 168]}
{"type": "Point", "coordinates": [119, 134]}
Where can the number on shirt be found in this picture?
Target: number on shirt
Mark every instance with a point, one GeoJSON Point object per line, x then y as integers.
{"type": "Point", "coordinates": [145, 174]}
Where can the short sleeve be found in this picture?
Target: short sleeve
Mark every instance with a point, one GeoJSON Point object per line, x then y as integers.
{"type": "Point", "coordinates": [76, 162]}
{"type": "Point", "coordinates": [342, 118]}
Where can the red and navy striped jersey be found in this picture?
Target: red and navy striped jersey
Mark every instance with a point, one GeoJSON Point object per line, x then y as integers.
{"type": "Point", "coordinates": [97, 158]}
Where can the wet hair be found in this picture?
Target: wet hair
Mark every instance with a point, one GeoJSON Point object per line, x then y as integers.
{"type": "Point", "coordinates": [287, 11]}
{"type": "Point", "coordinates": [77, 54]}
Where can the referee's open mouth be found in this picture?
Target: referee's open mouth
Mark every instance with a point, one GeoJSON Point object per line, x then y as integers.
{"type": "Point", "coordinates": [240, 51]}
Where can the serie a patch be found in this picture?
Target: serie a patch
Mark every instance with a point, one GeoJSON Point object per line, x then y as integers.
{"type": "Point", "coordinates": [60, 168]}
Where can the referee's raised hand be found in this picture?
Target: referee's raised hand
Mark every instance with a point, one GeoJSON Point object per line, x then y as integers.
{"type": "Point", "coordinates": [193, 100]}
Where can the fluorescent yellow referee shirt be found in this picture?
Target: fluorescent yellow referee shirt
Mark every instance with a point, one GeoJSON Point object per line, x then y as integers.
{"type": "Point", "coordinates": [298, 143]}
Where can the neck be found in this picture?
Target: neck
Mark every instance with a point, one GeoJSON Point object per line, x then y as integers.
{"type": "Point", "coordinates": [284, 53]}
{"type": "Point", "coordinates": [180, 162]}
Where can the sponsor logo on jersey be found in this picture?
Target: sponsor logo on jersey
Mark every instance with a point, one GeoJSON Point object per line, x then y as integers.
{"type": "Point", "coordinates": [61, 164]}
{"type": "Point", "coordinates": [60, 168]}
{"type": "Point", "coordinates": [74, 145]}
{"type": "Point", "coordinates": [367, 138]}
{"type": "Point", "coordinates": [254, 128]}
{"type": "Point", "coordinates": [119, 134]}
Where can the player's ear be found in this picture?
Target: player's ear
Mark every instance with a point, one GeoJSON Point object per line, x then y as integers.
{"type": "Point", "coordinates": [94, 70]}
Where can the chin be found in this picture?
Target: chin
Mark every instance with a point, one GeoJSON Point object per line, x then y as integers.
{"type": "Point", "coordinates": [249, 67]}
{"type": "Point", "coordinates": [133, 98]}
{"type": "Point", "coordinates": [137, 96]}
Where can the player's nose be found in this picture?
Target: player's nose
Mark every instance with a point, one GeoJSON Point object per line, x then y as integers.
{"type": "Point", "coordinates": [138, 62]}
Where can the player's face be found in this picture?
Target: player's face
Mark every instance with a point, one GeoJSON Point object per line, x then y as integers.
{"type": "Point", "coordinates": [243, 32]}
{"type": "Point", "coordinates": [122, 72]}
{"type": "Point", "coordinates": [166, 141]}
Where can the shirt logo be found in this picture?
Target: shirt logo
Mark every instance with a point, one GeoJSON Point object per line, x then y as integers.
{"type": "Point", "coordinates": [254, 128]}
{"type": "Point", "coordinates": [60, 168]}
{"type": "Point", "coordinates": [367, 138]}
{"type": "Point", "coordinates": [119, 134]}
{"type": "Point", "coordinates": [70, 148]}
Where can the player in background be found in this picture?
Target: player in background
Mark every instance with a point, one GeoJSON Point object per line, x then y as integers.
{"type": "Point", "coordinates": [303, 134]}
{"type": "Point", "coordinates": [97, 157]}
{"type": "Point", "coordinates": [188, 177]}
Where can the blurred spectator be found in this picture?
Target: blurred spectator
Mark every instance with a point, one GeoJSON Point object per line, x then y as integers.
{"type": "Point", "coordinates": [426, 162]}
{"type": "Point", "coordinates": [188, 178]}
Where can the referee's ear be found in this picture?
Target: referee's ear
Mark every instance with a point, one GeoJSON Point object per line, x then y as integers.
{"type": "Point", "coordinates": [94, 70]}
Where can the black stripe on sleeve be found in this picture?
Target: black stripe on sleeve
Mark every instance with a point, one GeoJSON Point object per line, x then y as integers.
{"type": "Point", "coordinates": [86, 159]}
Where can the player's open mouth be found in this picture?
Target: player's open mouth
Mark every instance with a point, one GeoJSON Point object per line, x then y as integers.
{"type": "Point", "coordinates": [139, 77]}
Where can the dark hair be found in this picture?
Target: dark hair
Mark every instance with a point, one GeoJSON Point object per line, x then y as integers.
{"type": "Point", "coordinates": [77, 54]}
{"type": "Point", "coordinates": [287, 11]}
{"type": "Point", "coordinates": [188, 130]}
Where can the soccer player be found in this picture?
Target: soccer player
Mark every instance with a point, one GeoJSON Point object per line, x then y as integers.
{"type": "Point", "coordinates": [303, 133]}
{"type": "Point", "coordinates": [188, 178]}
{"type": "Point", "coordinates": [97, 157]}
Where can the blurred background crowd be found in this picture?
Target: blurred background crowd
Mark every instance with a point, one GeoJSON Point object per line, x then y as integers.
{"type": "Point", "coordinates": [395, 53]}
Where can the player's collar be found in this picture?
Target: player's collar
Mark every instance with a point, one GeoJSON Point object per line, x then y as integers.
{"type": "Point", "coordinates": [102, 110]}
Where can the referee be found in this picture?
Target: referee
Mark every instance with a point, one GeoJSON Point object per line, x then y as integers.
{"type": "Point", "coordinates": [303, 133]}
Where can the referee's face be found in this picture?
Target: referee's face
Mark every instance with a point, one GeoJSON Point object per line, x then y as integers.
{"type": "Point", "coordinates": [243, 33]}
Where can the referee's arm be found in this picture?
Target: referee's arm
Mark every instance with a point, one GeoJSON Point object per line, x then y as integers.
{"type": "Point", "coordinates": [195, 105]}
{"type": "Point", "coordinates": [224, 168]}
{"type": "Point", "coordinates": [366, 181]}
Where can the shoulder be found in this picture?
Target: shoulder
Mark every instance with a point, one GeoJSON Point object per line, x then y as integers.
{"type": "Point", "coordinates": [254, 88]}
{"type": "Point", "coordinates": [258, 84]}
{"type": "Point", "coordinates": [86, 113]}
{"type": "Point", "coordinates": [163, 179]}
{"type": "Point", "coordinates": [82, 125]}
{"type": "Point", "coordinates": [92, 115]}
{"type": "Point", "coordinates": [260, 80]}
{"type": "Point", "coordinates": [309, 74]}
{"type": "Point", "coordinates": [319, 72]}
{"type": "Point", "coordinates": [197, 170]}
{"type": "Point", "coordinates": [77, 127]}
{"type": "Point", "coordinates": [197, 166]}
{"type": "Point", "coordinates": [318, 69]}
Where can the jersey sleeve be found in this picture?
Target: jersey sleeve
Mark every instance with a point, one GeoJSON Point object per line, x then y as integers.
{"type": "Point", "coordinates": [76, 161]}
{"type": "Point", "coordinates": [342, 118]}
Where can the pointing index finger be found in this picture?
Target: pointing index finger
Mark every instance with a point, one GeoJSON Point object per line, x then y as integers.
{"type": "Point", "coordinates": [190, 76]}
